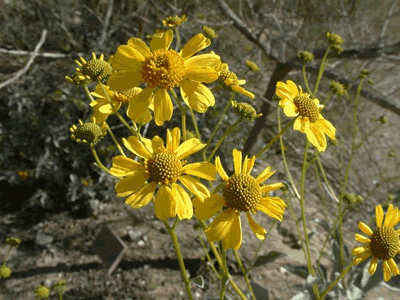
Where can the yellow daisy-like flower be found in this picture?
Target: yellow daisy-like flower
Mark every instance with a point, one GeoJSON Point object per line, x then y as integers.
{"type": "Point", "coordinates": [162, 168]}
{"type": "Point", "coordinates": [383, 243]}
{"type": "Point", "coordinates": [172, 22]}
{"type": "Point", "coordinates": [163, 69]}
{"type": "Point", "coordinates": [299, 105]}
{"type": "Point", "coordinates": [231, 82]}
{"type": "Point", "coordinates": [242, 193]}
{"type": "Point", "coordinates": [102, 107]}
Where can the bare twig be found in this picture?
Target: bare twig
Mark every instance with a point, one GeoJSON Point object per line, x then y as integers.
{"type": "Point", "coordinates": [29, 63]}
{"type": "Point", "coordinates": [106, 22]}
{"type": "Point", "coordinates": [43, 54]}
{"type": "Point", "coordinates": [386, 22]}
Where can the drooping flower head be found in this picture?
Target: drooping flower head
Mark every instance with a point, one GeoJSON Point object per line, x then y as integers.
{"type": "Point", "coordinates": [163, 167]}
{"type": "Point", "coordinates": [242, 193]}
{"type": "Point", "coordinates": [163, 69]}
{"type": "Point", "coordinates": [230, 81]}
{"type": "Point", "coordinates": [383, 243]}
{"type": "Point", "coordinates": [103, 108]}
{"type": "Point", "coordinates": [299, 105]}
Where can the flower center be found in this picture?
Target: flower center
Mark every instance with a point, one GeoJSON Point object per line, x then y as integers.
{"type": "Point", "coordinates": [164, 167]}
{"type": "Point", "coordinates": [125, 96]}
{"type": "Point", "coordinates": [226, 74]}
{"type": "Point", "coordinates": [307, 108]}
{"type": "Point", "coordinates": [242, 192]}
{"type": "Point", "coordinates": [384, 243]}
{"type": "Point", "coordinates": [164, 69]}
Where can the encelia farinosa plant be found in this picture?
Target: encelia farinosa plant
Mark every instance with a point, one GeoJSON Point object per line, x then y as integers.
{"type": "Point", "coordinates": [178, 172]}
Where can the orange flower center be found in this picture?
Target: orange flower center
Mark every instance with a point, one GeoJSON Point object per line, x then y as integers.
{"type": "Point", "coordinates": [164, 167]}
{"type": "Point", "coordinates": [164, 69]}
{"type": "Point", "coordinates": [306, 108]}
{"type": "Point", "coordinates": [384, 243]}
{"type": "Point", "coordinates": [242, 192]}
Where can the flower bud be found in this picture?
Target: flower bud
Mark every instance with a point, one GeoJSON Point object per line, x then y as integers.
{"type": "Point", "coordinates": [13, 241]}
{"type": "Point", "coordinates": [334, 38]}
{"type": "Point", "coordinates": [252, 66]}
{"type": "Point", "coordinates": [96, 69]}
{"type": "Point", "coordinates": [383, 119]}
{"type": "Point", "coordinates": [209, 32]}
{"type": "Point", "coordinates": [42, 292]}
{"type": "Point", "coordinates": [245, 111]}
{"type": "Point", "coordinates": [364, 73]}
{"type": "Point", "coordinates": [5, 271]}
{"type": "Point", "coordinates": [87, 133]}
{"type": "Point", "coordinates": [337, 88]}
{"type": "Point", "coordinates": [305, 56]}
{"type": "Point", "coordinates": [337, 48]}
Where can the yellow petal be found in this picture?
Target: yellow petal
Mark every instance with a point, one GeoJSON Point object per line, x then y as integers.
{"type": "Point", "coordinates": [233, 240]}
{"type": "Point", "coordinates": [362, 239]}
{"type": "Point", "coordinates": [271, 208]}
{"type": "Point", "coordinates": [210, 60]}
{"type": "Point", "coordinates": [256, 228]}
{"type": "Point", "coordinates": [192, 185]}
{"type": "Point", "coordinates": [162, 107]}
{"type": "Point", "coordinates": [197, 96]}
{"type": "Point", "coordinates": [157, 144]}
{"type": "Point", "coordinates": [221, 225]}
{"type": "Point", "coordinates": [389, 215]}
{"type": "Point", "coordinates": [140, 46]}
{"type": "Point", "coordinates": [249, 165]}
{"type": "Point", "coordinates": [123, 166]}
{"type": "Point", "coordinates": [138, 106]}
{"type": "Point", "coordinates": [124, 80]}
{"type": "Point", "coordinates": [194, 45]}
{"type": "Point", "coordinates": [327, 128]}
{"type": "Point", "coordinates": [127, 58]}
{"type": "Point", "coordinates": [373, 265]}
{"type": "Point", "coordinates": [176, 138]}
{"type": "Point", "coordinates": [203, 170]}
{"type": "Point", "coordinates": [301, 124]}
{"type": "Point", "coordinates": [130, 184]}
{"type": "Point", "coordinates": [184, 208]}
{"type": "Point", "coordinates": [283, 91]}
{"type": "Point", "coordinates": [189, 147]}
{"type": "Point", "coordinates": [264, 175]}
{"type": "Point", "coordinates": [292, 88]}
{"type": "Point", "coordinates": [290, 110]}
{"type": "Point", "coordinates": [220, 169]}
{"type": "Point", "coordinates": [142, 197]}
{"type": "Point", "coordinates": [386, 271]}
{"type": "Point", "coordinates": [379, 215]}
{"type": "Point", "coordinates": [165, 203]}
{"type": "Point", "coordinates": [211, 206]}
{"type": "Point", "coordinates": [272, 187]}
{"type": "Point", "coordinates": [361, 257]}
{"type": "Point", "coordinates": [202, 74]}
{"type": "Point", "coordinates": [136, 147]}
{"type": "Point", "coordinates": [162, 40]}
{"type": "Point", "coordinates": [361, 250]}
{"type": "Point", "coordinates": [237, 161]}
{"type": "Point", "coordinates": [148, 144]}
{"type": "Point", "coordinates": [316, 138]}
{"type": "Point", "coordinates": [365, 228]}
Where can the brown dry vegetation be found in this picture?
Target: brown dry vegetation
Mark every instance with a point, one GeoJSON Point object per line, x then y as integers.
{"type": "Point", "coordinates": [63, 204]}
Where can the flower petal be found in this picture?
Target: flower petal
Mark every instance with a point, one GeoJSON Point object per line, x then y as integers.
{"type": "Point", "coordinates": [202, 74]}
{"type": "Point", "coordinates": [162, 107]}
{"type": "Point", "coordinates": [220, 169]}
{"type": "Point", "coordinates": [316, 137]}
{"type": "Point", "coordinates": [249, 165]}
{"type": "Point", "coordinates": [194, 45]}
{"type": "Point", "coordinates": [184, 207]}
{"type": "Point", "coordinates": [192, 185]}
{"type": "Point", "coordinates": [161, 40]}
{"type": "Point", "coordinates": [362, 239]}
{"type": "Point", "coordinates": [389, 215]}
{"type": "Point", "coordinates": [237, 161]}
{"type": "Point", "coordinates": [127, 58]}
{"type": "Point", "coordinates": [379, 215]}
{"type": "Point", "coordinates": [360, 250]}
{"type": "Point", "coordinates": [176, 139]}
{"type": "Point", "coordinates": [157, 144]}
{"type": "Point", "coordinates": [130, 184]}
{"type": "Point", "coordinates": [210, 60]}
{"type": "Point", "coordinates": [233, 240]}
{"type": "Point", "coordinates": [271, 187]}
{"type": "Point", "coordinates": [136, 147]}
{"type": "Point", "coordinates": [140, 46]}
{"type": "Point", "coordinates": [393, 266]}
{"type": "Point", "coordinates": [211, 206]}
{"type": "Point", "coordinates": [124, 80]}
{"type": "Point", "coordinates": [189, 147]}
{"type": "Point", "coordinates": [290, 111]}
{"type": "Point", "coordinates": [302, 124]}
{"type": "Point", "coordinates": [361, 257]}
{"type": "Point", "coordinates": [165, 203]}
{"type": "Point", "coordinates": [123, 166]}
{"type": "Point", "coordinates": [387, 274]}
{"type": "Point", "coordinates": [264, 175]}
{"type": "Point", "coordinates": [197, 96]}
{"type": "Point", "coordinates": [138, 106]}
{"type": "Point", "coordinates": [205, 170]}
{"type": "Point", "coordinates": [142, 197]}
{"type": "Point", "coordinates": [256, 228]}
{"type": "Point", "coordinates": [272, 208]}
{"type": "Point", "coordinates": [327, 128]}
{"type": "Point", "coordinates": [365, 228]}
{"type": "Point", "coordinates": [373, 265]}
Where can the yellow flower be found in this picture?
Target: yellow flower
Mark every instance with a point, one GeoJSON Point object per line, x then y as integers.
{"type": "Point", "coordinates": [163, 69]}
{"type": "Point", "coordinates": [162, 168]}
{"type": "Point", "coordinates": [102, 107]}
{"type": "Point", "coordinates": [242, 193]}
{"type": "Point", "coordinates": [42, 292]}
{"type": "Point", "coordinates": [295, 103]}
{"type": "Point", "coordinates": [231, 82]}
{"type": "Point", "coordinates": [172, 22]}
{"type": "Point", "coordinates": [383, 243]}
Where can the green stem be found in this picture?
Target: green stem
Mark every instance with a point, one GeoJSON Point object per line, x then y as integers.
{"type": "Point", "coordinates": [321, 71]}
{"type": "Point", "coordinates": [114, 140]}
{"type": "Point", "coordinates": [330, 287]}
{"type": "Point", "coordinates": [220, 120]}
{"type": "Point", "coordinates": [225, 277]}
{"type": "Point", "coordinates": [183, 113]}
{"type": "Point", "coordinates": [196, 128]}
{"type": "Point", "coordinates": [178, 252]}
{"type": "Point", "coordinates": [303, 216]}
{"type": "Point", "coordinates": [88, 93]}
{"type": "Point", "coordinates": [178, 38]}
{"type": "Point", "coordinates": [132, 130]}
{"type": "Point", "coordinates": [245, 274]}
{"type": "Point", "coordinates": [261, 244]}
{"type": "Point", "coordinates": [228, 131]}
{"type": "Point", "coordinates": [99, 163]}
{"type": "Point", "coordinates": [276, 138]}
{"type": "Point", "coordinates": [305, 78]}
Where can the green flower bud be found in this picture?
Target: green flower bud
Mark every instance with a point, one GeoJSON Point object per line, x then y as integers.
{"type": "Point", "coordinates": [42, 292]}
{"type": "Point", "coordinates": [305, 56]}
{"type": "Point", "coordinates": [5, 271]}
{"type": "Point", "coordinates": [337, 88]}
{"type": "Point", "coordinates": [252, 66]}
{"type": "Point", "coordinates": [383, 119]}
{"type": "Point", "coordinates": [13, 241]}
{"type": "Point", "coordinates": [245, 111]}
{"type": "Point", "coordinates": [209, 32]}
{"type": "Point", "coordinates": [88, 133]}
{"type": "Point", "coordinates": [337, 48]}
{"type": "Point", "coordinates": [334, 38]}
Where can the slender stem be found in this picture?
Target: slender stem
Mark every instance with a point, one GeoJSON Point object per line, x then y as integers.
{"type": "Point", "coordinates": [228, 131]}
{"type": "Point", "coordinates": [276, 137]}
{"type": "Point", "coordinates": [196, 128]}
{"type": "Point", "coordinates": [88, 93]}
{"type": "Point", "coordinates": [328, 289]}
{"type": "Point", "coordinates": [99, 163]}
{"type": "Point", "coordinates": [183, 113]}
{"type": "Point", "coordinates": [114, 140]}
{"type": "Point", "coordinates": [225, 277]}
{"type": "Point", "coordinates": [305, 78]}
{"type": "Point", "coordinates": [209, 260]}
{"type": "Point", "coordinates": [321, 71]}
{"type": "Point", "coordinates": [245, 274]}
{"type": "Point", "coordinates": [261, 244]}
{"type": "Point", "coordinates": [222, 266]}
{"type": "Point", "coordinates": [178, 252]}
{"type": "Point", "coordinates": [220, 120]}
{"type": "Point", "coordinates": [178, 38]}
{"type": "Point", "coordinates": [321, 167]}
{"type": "Point", "coordinates": [116, 111]}
{"type": "Point", "coordinates": [303, 216]}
